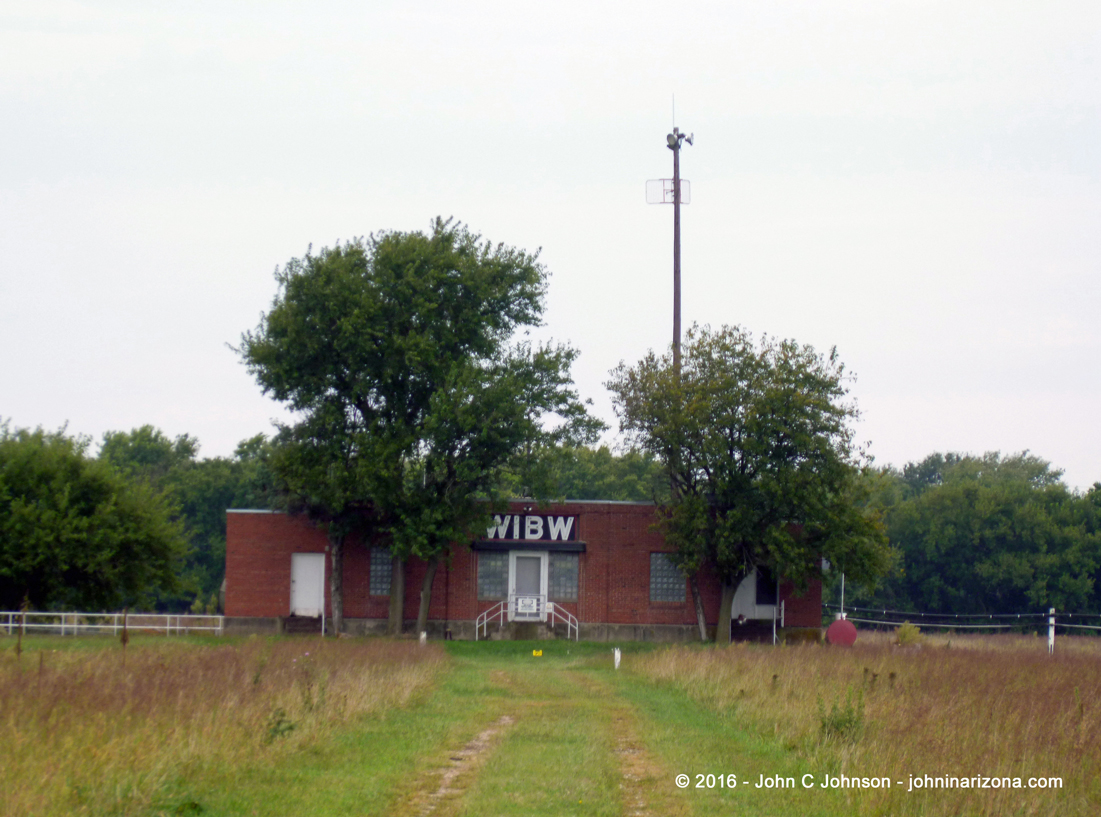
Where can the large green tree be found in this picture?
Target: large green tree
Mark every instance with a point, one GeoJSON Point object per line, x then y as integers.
{"type": "Point", "coordinates": [76, 533]}
{"type": "Point", "coordinates": [198, 491]}
{"type": "Point", "coordinates": [987, 534]}
{"type": "Point", "coordinates": [398, 354]}
{"type": "Point", "coordinates": [147, 453]}
{"type": "Point", "coordinates": [758, 441]}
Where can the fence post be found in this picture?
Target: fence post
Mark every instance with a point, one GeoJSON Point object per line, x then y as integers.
{"type": "Point", "coordinates": [1051, 631]}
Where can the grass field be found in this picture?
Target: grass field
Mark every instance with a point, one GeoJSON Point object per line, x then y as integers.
{"type": "Point", "coordinates": [996, 707]}
{"type": "Point", "coordinates": [296, 726]}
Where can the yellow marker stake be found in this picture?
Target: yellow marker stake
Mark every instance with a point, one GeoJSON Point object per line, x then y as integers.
{"type": "Point", "coordinates": [537, 653]}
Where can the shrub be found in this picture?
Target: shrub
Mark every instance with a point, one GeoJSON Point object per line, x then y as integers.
{"type": "Point", "coordinates": [845, 720]}
{"type": "Point", "coordinates": [278, 725]}
{"type": "Point", "coordinates": [908, 634]}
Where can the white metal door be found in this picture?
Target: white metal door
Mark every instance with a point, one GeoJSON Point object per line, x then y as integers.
{"type": "Point", "coordinates": [307, 584]}
{"type": "Point", "coordinates": [527, 583]}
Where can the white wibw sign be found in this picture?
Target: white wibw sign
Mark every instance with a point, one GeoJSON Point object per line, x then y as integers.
{"type": "Point", "coordinates": [533, 527]}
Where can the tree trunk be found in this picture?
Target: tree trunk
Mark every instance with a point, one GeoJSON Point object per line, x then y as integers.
{"type": "Point", "coordinates": [726, 602]}
{"type": "Point", "coordinates": [397, 596]}
{"type": "Point", "coordinates": [426, 594]}
{"type": "Point", "coordinates": [697, 600]}
{"type": "Point", "coordinates": [336, 579]}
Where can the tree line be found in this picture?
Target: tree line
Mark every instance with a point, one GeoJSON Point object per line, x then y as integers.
{"type": "Point", "coordinates": [140, 523]}
{"type": "Point", "coordinates": [985, 533]}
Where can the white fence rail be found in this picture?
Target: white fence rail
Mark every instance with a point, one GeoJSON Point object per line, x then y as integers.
{"type": "Point", "coordinates": [109, 623]}
{"type": "Point", "coordinates": [971, 621]}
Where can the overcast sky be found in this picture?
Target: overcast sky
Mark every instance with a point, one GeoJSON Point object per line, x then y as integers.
{"type": "Point", "coordinates": [915, 183]}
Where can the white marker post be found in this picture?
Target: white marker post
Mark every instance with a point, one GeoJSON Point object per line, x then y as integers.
{"type": "Point", "coordinates": [616, 653]}
{"type": "Point", "coordinates": [1051, 631]}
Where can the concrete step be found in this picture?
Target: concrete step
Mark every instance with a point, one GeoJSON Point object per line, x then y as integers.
{"type": "Point", "coordinates": [526, 631]}
{"type": "Point", "coordinates": [302, 625]}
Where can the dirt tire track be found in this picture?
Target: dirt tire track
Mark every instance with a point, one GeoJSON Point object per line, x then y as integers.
{"type": "Point", "coordinates": [646, 786]}
{"type": "Point", "coordinates": [456, 777]}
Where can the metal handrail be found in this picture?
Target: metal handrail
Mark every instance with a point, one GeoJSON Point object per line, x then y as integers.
{"type": "Point", "coordinates": [69, 623]}
{"type": "Point", "coordinates": [496, 611]}
{"type": "Point", "coordinates": [568, 618]}
{"type": "Point", "coordinates": [499, 610]}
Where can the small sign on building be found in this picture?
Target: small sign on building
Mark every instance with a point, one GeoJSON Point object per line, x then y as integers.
{"type": "Point", "coordinates": [527, 604]}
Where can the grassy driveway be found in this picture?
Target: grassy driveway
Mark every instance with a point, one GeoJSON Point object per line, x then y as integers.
{"type": "Point", "coordinates": [507, 732]}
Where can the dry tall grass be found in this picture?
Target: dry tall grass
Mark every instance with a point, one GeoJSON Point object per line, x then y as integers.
{"type": "Point", "coordinates": [994, 706]}
{"type": "Point", "coordinates": [82, 732]}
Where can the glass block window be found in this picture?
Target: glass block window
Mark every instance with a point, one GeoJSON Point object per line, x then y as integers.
{"type": "Point", "coordinates": [666, 581]}
{"type": "Point", "coordinates": [562, 577]}
{"type": "Point", "coordinates": [382, 569]}
{"type": "Point", "coordinates": [492, 575]}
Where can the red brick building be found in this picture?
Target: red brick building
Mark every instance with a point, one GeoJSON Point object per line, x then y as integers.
{"type": "Point", "coordinates": [599, 563]}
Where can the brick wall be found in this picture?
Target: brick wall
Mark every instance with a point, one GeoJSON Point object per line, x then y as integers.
{"type": "Point", "coordinates": [613, 572]}
{"type": "Point", "coordinates": [802, 609]}
{"type": "Point", "coordinates": [258, 561]}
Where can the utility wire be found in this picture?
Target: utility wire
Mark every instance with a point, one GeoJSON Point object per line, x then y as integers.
{"type": "Point", "coordinates": [883, 612]}
{"type": "Point", "coordinates": [932, 624]}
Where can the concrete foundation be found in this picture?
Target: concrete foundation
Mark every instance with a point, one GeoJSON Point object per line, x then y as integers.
{"type": "Point", "coordinates": [249, 625]}
{"type": "Point", "coordinates": [522, 631]}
